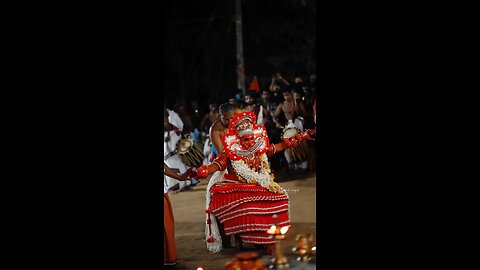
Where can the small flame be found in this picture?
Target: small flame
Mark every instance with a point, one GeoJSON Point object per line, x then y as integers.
{"type": "Point", "coordinates": [272, 229]}
{"type": "Point", "coordinates": [284, 230]}
{"type": "Point", "coordinates": [314, 248]}
{"type": "Point", "coordinates": [199, 268]}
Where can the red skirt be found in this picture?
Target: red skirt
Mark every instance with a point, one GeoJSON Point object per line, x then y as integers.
{"type": "Point", "coordinates": [247, 210]}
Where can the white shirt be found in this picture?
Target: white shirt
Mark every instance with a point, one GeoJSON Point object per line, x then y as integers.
{"type": "Point", "coordinates": [174, 119]}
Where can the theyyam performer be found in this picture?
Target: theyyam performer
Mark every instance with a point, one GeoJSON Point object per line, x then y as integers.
{"type": "Point", "coordinates": [242, 194]}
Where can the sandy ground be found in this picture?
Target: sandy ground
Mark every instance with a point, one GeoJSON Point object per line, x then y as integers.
{"type": "Point", "coordinates": [188, 208]}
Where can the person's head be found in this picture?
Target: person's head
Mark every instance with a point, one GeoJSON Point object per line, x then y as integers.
{"type": "Point", "coordinates": [180, 108]}
{"type": "Point", "coordinates": [233, 101]}
{"type": "Point", "coordinates": [245, 133]}
{"type": "Point", "coordinates": [298, 79]}
{"type": "Point", "coordinates": [276, 88]}
{"type": "Point", "coordinates": [226, 113]}
{"type": "Point", "coordinates": [249, 99]}
{"type": "Point", "coordinates": [287, 95]}
{"type": "Point", "coordinates": [213, 107]}
{"type": "Point", "coordinates": [247, 140]}
{"type": "Point", "coordinates": [265, 95]}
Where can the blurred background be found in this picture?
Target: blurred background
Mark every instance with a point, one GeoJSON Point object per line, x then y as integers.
{"type": "Point", "coordinates": [201, 47]}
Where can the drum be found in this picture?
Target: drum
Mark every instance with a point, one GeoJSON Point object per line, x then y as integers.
{"type": "Point", "coordinates": [300, 151]}
{"type": "Point", "coordinates": [189, 152]}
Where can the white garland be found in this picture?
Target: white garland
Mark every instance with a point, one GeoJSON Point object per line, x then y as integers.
{"type": "Point", "coordinates": [264, 178]}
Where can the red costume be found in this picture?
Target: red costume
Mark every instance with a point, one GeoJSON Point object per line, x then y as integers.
{"type": "Point", "coordinates": [242, 194]}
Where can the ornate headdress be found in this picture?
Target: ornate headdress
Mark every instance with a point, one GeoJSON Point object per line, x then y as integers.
{"type": "Point", "coordinates": [242, 124]}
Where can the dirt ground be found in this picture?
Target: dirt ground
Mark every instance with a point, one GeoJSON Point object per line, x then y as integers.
{"type": "Point", "coordinates": [188, 209]}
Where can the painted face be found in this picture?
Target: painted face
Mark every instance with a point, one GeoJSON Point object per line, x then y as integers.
{"type": "Point", "coordinates": [247, 141]}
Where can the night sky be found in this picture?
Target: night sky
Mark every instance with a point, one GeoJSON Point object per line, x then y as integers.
{"type": "Point", "coordinates": [200, 45]}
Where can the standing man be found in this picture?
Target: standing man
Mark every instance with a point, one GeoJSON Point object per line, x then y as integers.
{"type": "Point", "coordinates": [294, 113]}
{"type": "Point", "coordinates": [220, 127]}
{"type": "Point", "coordinates": [173, 127]}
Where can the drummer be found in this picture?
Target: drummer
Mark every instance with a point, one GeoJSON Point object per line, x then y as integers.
{"type": "Point", "coordinates": [173, 127]}
{"type": "Point", "coordinates": [294, 113]}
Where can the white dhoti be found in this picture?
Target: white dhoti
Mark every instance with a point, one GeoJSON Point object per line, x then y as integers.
{"type": "Point", "coordinates": [173, 161]}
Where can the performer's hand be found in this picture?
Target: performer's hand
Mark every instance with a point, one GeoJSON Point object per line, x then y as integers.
{"type": "Point", "coordinates": [202, 172]}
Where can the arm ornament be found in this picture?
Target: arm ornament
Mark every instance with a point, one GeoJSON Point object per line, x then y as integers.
{"type": "Point", "coordinates": [221, 162]}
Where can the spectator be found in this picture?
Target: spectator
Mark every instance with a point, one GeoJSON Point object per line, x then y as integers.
{"type": "Point", "coordinates": [210, 117]}
{"type": "Point", "coordinates": [185, 117]}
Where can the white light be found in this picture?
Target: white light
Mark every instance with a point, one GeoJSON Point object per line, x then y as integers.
{"type": "Point", "coordinates": [284, 230]}
{"type": "Point", "coordinates": [199, 268]}
{"type": "Point", "coordinates": [272, 230]}
{"type": "Point", "coordinates": [314, 248]}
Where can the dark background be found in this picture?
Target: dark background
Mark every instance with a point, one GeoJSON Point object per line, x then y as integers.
{"type": "Point", "coordinates": [82, 100]}
{"type": "Point", "coordinates": [200, 45]}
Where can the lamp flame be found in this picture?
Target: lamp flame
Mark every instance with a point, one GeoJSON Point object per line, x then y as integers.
{"type": "Point", "coordinates": [284, 230]}
{"type": "Point", "coordinates": [272, 230]}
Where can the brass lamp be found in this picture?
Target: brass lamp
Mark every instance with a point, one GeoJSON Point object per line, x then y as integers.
{"type": "Point", "coordinates": [305, 247]}
{"type": "Point", "coordinates": [279, 260]}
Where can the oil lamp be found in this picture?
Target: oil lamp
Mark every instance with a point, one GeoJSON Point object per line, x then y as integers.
{"type": "Point", "coordinates": [279, 260]}
{"type": "Point", "coordinates": [304, 248]}
{"type": "Point", "coordinates": [245, 261]}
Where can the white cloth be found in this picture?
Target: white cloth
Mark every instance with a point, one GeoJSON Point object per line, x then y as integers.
{"type": "Point", "coordinates": [207, 150]}
{"type": "Point", "coordinates": [216, 246]}
{"type": "Point", "coordinates": [260, 116]}
{"type": "Point", "coordinates": [165, 185]}
{"type": "Point", "coordinates": [174, 119]}
{"type": "Point", "coordinates": [174, 162]}
{"type": "Point", "coordinates": [169, 146]}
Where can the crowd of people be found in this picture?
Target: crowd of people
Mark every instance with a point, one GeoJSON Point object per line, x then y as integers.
{"type": "Point", "coordinates": [281, 105]}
